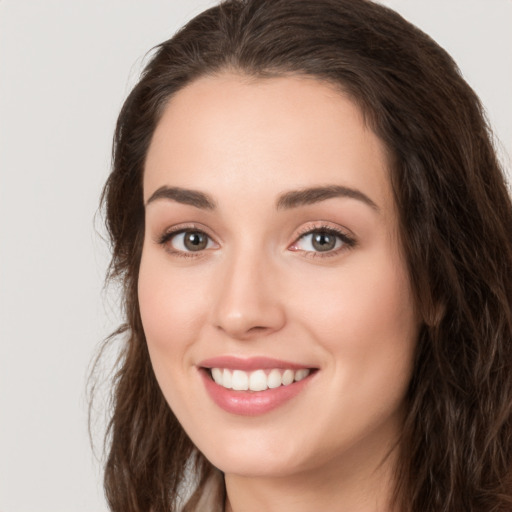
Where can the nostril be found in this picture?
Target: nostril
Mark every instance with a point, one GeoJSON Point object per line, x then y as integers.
{"type": "Point", "coordinates": [257, 328]}
{"type": "Point", "coordinates": [251, 330]}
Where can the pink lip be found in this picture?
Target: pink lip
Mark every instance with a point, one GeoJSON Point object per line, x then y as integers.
{"type": "Point", "coordinates": [250, 403]}
{"type": "Point", "coordinates": [249, 364]}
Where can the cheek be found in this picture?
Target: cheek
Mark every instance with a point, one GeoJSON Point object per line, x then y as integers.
{"type": "Point", "coordinates": [380, 309]}
{"type": "Point", "coordinates": [367, 305]}
{"type": "Point", "coordinates": [169, 303]}
{"type": "Point", "coordinates": [365, 320]}
{"type": "Point", "coordinates": [171, 313]}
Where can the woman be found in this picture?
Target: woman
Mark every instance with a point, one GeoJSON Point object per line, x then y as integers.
{"type": "Point", "coordinates": [314, 238]}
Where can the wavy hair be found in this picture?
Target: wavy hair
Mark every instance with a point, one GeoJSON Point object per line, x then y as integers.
{"type": "Point", "coordinates": [455, 450]}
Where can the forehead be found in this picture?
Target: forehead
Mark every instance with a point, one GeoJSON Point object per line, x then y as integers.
{"type": "Point", "coordinates": [231, 133]}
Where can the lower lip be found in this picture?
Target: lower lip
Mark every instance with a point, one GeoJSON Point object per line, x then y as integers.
{"type": "Point", "coordinates": [251, 403]}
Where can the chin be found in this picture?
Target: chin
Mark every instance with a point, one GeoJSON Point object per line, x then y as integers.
{"type": "Point", "coordinates": [254, 467]}
{"type": "Point", "coordinates": [256, 458]}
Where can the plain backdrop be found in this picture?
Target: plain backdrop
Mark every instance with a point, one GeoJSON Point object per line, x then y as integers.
{"type": "Point", "coordinates": [65, 68]}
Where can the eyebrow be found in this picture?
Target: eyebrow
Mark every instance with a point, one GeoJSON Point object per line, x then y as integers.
{"type": "Point", "coordinates": [184, 196]}
{"type": "Point", "coordinates": [306, 196]}
{"type": "Point", "coordinates": [288, 200]}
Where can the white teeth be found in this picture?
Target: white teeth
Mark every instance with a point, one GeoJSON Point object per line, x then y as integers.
{"type": "Point", "coordinates": [226, 379]}
{"type": "Point", "coordinates": [301, 374]}
{"type": "Point", "coordinates": [240, 380]}
{"type": "Point", "coordinates": [288, 377]}
{"type": "Point", "coordinates": [217, 375]}
{"type": "Point", "coordinates": [258, 380]}
{"type": "Point", "coordinates": [274, 379]}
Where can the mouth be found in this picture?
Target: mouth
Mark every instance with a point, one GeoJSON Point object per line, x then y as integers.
{"type": "Point", "coordinates": [253, 386]}
{"type": "Point", "coordinates": [257, 380]}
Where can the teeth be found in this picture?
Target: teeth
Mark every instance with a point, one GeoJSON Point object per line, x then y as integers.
{"type": "Point", "coordinates": [274, 379]}
{"type": "Point", "coordinates": [217, 375]}
{"type": "Point", "coordinates": [301, 374]}
{"type": "Point", "coordinates": [288, 377]}
{"type": "Point", "coordinates": [240, 380]}
{"type": "Point", "coordinates": [258, 380]}
{"type": "Point", "coordinates": [226, 379]}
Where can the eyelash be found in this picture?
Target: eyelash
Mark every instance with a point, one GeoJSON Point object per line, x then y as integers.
{"type": "Point", "coordinates": [347, 241]}
{"type": "Point", "coordinates": [166, 237]}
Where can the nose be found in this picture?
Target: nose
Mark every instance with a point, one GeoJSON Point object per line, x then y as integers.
{"type": "Point", "coordinates": [249, 301]}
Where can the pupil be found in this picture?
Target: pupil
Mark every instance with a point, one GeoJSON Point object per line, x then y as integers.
{"type": "Point", "coordinates": [195, 241]}
{"type": "Point", "coordinates": [323, 241]}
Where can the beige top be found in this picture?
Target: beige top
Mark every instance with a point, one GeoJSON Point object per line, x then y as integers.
{"type": "Point", "coordinates": [212, 496]}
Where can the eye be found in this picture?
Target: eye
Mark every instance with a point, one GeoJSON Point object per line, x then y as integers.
{"type": "Point", "coordinates": [186, 241]}
{"type": "Point", "coordinates": [322, 240]}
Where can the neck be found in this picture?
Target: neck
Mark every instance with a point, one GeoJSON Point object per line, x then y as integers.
{"type": "Point", "coordinates": [337, 487]}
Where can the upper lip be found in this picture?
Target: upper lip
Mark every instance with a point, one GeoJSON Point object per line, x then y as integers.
{"type": "Point", "coordinates": [250, 363]}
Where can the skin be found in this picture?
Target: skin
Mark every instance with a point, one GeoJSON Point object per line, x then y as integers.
{"type": "Point", "coordinates": [260, 288]}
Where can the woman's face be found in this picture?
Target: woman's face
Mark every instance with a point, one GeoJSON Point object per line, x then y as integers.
{"type": "Point", "coordinates": [271, 255]}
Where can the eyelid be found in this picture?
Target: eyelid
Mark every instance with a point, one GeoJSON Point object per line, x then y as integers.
{"type": "Point", "coordinates": [347, 238]}
{"type": "Point", "coordinates": [167, 235]}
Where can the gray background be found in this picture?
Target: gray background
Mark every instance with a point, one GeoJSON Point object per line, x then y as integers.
{"type": "Point", "coordinates": [65, 67]}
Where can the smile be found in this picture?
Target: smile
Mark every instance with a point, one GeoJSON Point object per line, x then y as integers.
{"type": "Point", "coordinates": [258, 380]}
{"type": "Point", "coordinates": [253, 386]}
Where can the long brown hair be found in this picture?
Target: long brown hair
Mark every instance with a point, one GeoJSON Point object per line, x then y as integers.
{"type": "Point", "coordinates": [455, 452]}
